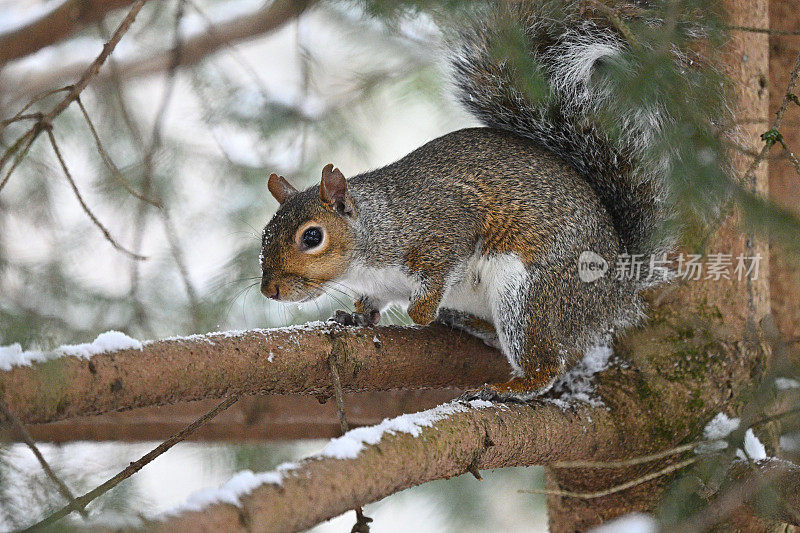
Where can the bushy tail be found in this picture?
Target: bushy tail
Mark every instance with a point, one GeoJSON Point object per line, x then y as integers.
{"type": "Point", "coordinates": [567, 49]}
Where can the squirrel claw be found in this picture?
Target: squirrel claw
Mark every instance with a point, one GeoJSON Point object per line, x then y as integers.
{"type": "Point", "coordinates": [343, 318]}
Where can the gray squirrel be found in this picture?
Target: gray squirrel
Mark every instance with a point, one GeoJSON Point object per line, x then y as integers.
{"type": "Point", "coordinates": [483, 229]}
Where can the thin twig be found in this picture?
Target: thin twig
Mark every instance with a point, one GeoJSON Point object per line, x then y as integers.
{"type": "Point", "coordinates": [27, 141]}
{"type": "Point", "coordinates": [28, 440]}
{"type": "Point", "coordinates": [617, 22]}
{"type": "Point", "coordinates": [725, 504]}
{"type": "Point", "coordinates": [616, 488]}
{"type": "Point", "coordinates": [82, 501]}
{"type": "Point", "coordinates": [626, 462]}
{"type": "Point", "coordinates": [85, 207]}
{"type": "Point", "coordinates": [76, 89]}
{"type": "Point", "coordinates": [109, 162]}
{"type": "Point", "coordinates": [338, 394]}
{"type": "Point", "coordinates": [149, 165]}
{"type": "Point", "coordinates": [19, 118]}
{"type": "Point", "coordinates": [36, 99]}
{"type": "Point", "coordinates": [764, 30]}
{"type": "Point", "coordinates": [362, 521]}
{"type": "Point", "coordinates": [748, 176]}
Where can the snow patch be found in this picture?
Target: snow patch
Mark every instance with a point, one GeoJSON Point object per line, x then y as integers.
{"type": "Point", "coordinates": [349, 445]}
{"type": "Point", "coordinates": [720, 427]}
{"type": "Point", "coordinates": [715, 431]}
{"type": "Point", "coordinates": [630, 523]}
{"type": "Point", "coordinates": [13, 355]}
{"type": "Point", "coordinates": [752, 447]}
{"type": "Point", "coordinates": [231, 492]}
{"type": "Point", "coordinates": [786, 383]}
{"type": "Point", "coordinates": [110, 341]}
{"type": "Point", "coordinates": [577, 385]}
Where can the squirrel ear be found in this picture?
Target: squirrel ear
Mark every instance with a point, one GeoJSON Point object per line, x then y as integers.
{"type": "Point", "coordinates": [333, 191]}
{"type": "Point", "coordinates": [280, 188]}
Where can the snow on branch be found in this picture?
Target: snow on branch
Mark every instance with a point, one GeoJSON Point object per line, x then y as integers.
{"type": "Point", "coordinates": [370, 463]}
{"type": "Point", "coordinates": [116, 373]}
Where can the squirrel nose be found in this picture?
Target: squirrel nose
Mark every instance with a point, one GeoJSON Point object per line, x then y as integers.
{"type": "Point", "coordinates": [271, 291]}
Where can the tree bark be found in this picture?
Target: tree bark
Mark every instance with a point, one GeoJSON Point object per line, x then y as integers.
{"type": "Point", "coordinates": [784, 183]}
{"type": "Point", "coordinates": [279, 361]}
{"type": "Point", "coordinates": [658, 349]}
{"type": "Point", "coordinates": [252, 419]}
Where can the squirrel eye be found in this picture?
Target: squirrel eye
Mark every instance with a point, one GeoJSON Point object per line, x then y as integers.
{"type": "Point", "coordinates": [312, 237]}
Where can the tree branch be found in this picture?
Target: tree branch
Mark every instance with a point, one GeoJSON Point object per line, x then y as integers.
{"type": "Point", "coordinates": [195, 47]}
{"type": "Point", "coordinates": [494, 436]}
{"type": "Point", "coordinates": [281, 361]}
{"type": "Point", "coordinates": [321, 487]}
{"type": "Point", "coordinates": [256, 418]}
{"type": "Point", "coordinates": [54, 25]}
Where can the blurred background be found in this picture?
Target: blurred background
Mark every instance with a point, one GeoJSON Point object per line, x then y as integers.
{"type": "Point", "coordinates": [181, 179]}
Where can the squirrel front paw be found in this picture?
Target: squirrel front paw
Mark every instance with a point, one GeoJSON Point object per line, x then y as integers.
{"type": "Point", "coordinates": [343, 318]}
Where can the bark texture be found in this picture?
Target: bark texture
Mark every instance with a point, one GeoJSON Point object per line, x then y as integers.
{"type": "Point", "coordinates": [701, 351]}
{"type": "Point", "coordinates": [784, 183]}
{"type": "Point", "coordinates": [252, 419]}
{"type": "Point", "coordinates": [280, 361]}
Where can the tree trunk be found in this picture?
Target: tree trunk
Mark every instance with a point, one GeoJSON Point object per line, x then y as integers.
{"type": "Point", "coordinates": [687, 330]}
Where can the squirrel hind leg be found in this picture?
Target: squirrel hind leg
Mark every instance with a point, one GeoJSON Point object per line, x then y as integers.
{"type": "Point", "coordinates": [530, 343]}
{"type": "Point", "coordinates": [515, 390]}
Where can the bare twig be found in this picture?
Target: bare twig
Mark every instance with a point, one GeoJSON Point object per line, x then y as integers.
{"type": "Point", "coordinates": [85, 207]}
{"type": "Point", "coordinates": [727, 502]}
{"type": "Point", "coordinates": [60, 20]}
{"type": "Point", "coordinates": [20, 118]}
{"type": "Point", "coordinates": [110, 162]}
{"type": "Point", "coordinates": [616, 488]}
{"type": "Point", "coordinates": [337, 393]}
{"type": "Point", "coordinates": [82, 501]}
{"type": "Point", "coordinates": [149, 164]}
{"type": "Point", "coordinates": [776, 124]}
{"type": "Point", "coordinates": [21, 148]}
{"type": "Point", "coordinates": [28, 440]}
{"type": "Point", "coordinates": [626, 462]}
{"type": "Point", "coordinates": [764, 30]}
{"type": "Point", "coordinates": [76, 89]}
{"type": "Point", "coordinates": [362, 521]}
{"type": "Point", "coordinates": [36, 99]}
{"type": "Point", "coordinates": [613, 17]}
{"type": "Point", "coordinates": [197, 45]}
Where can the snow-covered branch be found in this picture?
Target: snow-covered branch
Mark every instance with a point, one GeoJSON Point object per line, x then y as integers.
{"type": "Point", "coordinates": [370, 463]}
{"type": "Point", "coordinates": [116, 373]}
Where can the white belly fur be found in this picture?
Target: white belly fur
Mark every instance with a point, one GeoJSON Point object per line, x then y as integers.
{"type": "Point", "coordinates": [473, 287]}
{"type": "Point", "coordinates": [484, 277]}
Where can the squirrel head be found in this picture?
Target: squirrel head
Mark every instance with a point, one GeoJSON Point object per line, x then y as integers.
{"type": "Point", "coordinates": [309, 240]}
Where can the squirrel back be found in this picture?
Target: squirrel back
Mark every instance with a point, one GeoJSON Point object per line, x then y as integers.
{"type": "Point", "coordinates": [567, 51]}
